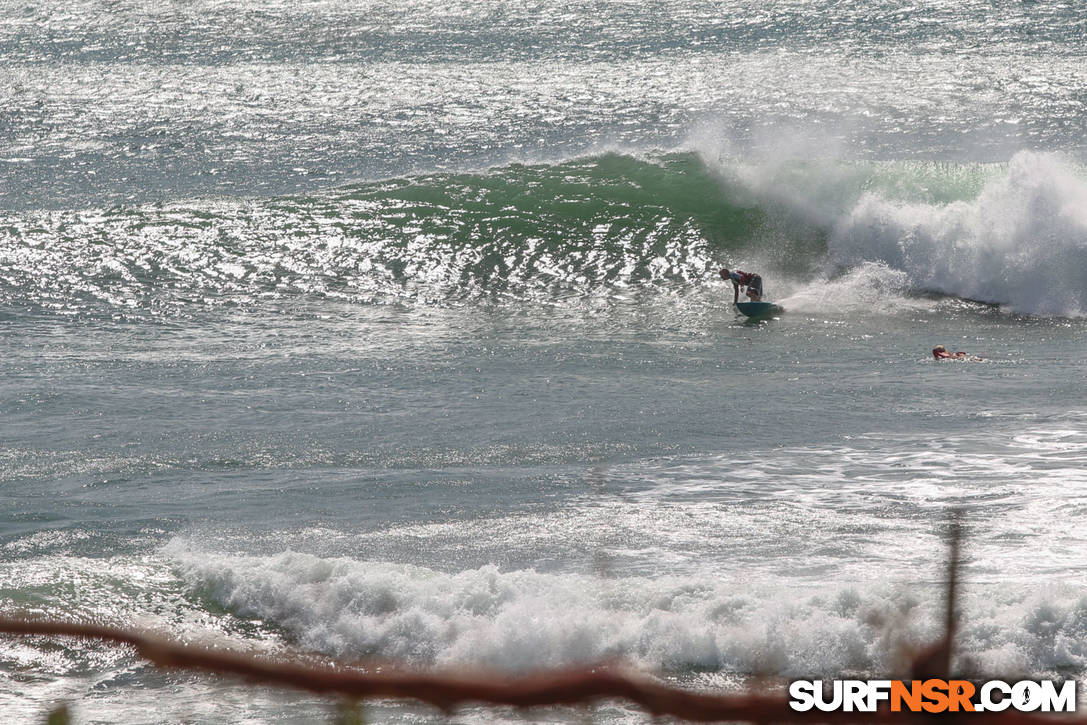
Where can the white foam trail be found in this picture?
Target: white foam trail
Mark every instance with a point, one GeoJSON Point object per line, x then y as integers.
{"type": "Point", "coordinates": [1022, 242]}
{"type": "Point", "coordinates": [869, 287]}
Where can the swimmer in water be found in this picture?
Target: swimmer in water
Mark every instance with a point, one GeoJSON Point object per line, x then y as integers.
{"type": "Point", "coordinates": [940, 353]}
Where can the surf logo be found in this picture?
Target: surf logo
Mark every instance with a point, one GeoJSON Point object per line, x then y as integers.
{"type": "Point", "coordinates": [932, 695]}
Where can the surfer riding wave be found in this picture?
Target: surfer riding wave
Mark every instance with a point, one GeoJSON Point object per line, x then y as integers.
{"type": "Point", "coordinates": [739, 278]}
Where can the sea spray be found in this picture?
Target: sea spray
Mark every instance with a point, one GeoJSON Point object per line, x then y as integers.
{"type": "Point", "coordinates": [1022, 242]}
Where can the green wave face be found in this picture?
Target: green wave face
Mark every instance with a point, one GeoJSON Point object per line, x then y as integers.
{"type": "Point", "coordinates": [584, 227]}
{"type": "Point", "coordinates": [577, 227]}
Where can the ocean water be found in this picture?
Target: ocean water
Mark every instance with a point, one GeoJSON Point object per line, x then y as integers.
{"type": "Point", "coordinates": [393, 330]}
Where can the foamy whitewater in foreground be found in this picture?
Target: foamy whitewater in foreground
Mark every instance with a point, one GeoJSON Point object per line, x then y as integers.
{"type": "Point", "coordinates": [395, 332]}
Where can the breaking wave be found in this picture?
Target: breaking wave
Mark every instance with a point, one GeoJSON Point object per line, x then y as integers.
{"type": "Point", "coordinates": [1022, 242]}
{"type": "Point", "coordinates": [522, 620]}
{"type": "Point", "coordinates": [1011, 234]}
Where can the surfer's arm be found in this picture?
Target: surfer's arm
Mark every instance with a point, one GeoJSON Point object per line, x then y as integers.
{"type": "Point", "coordinates": [735, 293]}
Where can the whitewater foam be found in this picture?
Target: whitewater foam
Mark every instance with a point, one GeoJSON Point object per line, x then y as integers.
{"type": "Point", "coordinates": [1021, 243]}
{"type": "Point", "coordinates": [523, 619]}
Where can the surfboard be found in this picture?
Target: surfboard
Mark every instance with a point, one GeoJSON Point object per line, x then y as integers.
{"type": "Point", "coordinates": [759, 309]}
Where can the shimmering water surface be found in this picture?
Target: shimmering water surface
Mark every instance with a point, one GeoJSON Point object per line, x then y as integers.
{"type": "Point", "coordinates": [393, 330]}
